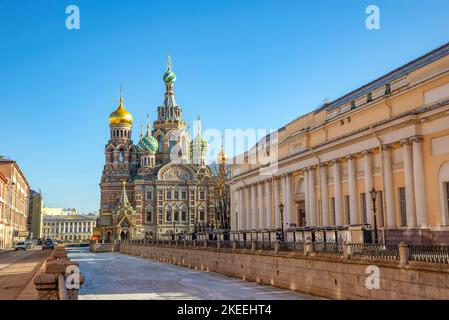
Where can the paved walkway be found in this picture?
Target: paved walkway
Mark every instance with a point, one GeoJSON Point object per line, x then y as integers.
{"type": "Point", "coordinates": [17, 269]}
{"type": "Point", "coordinates": [119, 276]}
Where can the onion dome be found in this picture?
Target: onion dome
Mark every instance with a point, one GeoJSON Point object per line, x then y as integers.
{"type": "Point", "coordinates": [169, 76]}
{"type": "Point", "coordinates": [222, 157]}
{"type": "Point", "coordinates": [121, 116]}
{"type": "Point", "coordinates": [147, 144]}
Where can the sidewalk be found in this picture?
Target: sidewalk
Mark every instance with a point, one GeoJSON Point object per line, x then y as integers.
{"type": "Point", "coordinates": [6, 250]}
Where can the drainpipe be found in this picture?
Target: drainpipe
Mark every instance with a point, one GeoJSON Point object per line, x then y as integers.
{"type": "Point", "coordinates": [382, 177]}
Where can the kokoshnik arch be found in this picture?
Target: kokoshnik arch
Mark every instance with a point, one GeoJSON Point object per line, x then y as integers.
{"type": "Point", "coordinates": [160, 186]}
{"type": "Point", "coordinates": [391, 134]}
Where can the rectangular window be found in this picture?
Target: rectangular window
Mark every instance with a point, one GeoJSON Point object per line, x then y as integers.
{"type": "Point", "coordinates": [149, 216]}
{"type": "Point", "coordinates": [347, 211]}
{"type": "Point", "coordinates": [183, 195]}
{"type": "Point", "coordinates": [149, 195]}
{"type": "Point", "coordinates": [380, 208]}
{"type": "Point", "coordinates": [333, 211]}
{"type": "Point", "coordinates": [364, 213]}
{"type": "Point", "coordinates": [201, 195]}
{"type": "Point", "coordinates": [168, 195]}
{"type": "Point", "coordinates": [176, 196]}
{"type": "Point", "coordinates": [402, 207]}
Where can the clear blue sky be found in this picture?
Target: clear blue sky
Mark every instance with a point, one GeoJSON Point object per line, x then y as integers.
{"type": "Point", "coordinates": [239, 63]}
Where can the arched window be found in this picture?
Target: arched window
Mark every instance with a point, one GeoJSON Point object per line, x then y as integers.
{"type": "Point", "coordinates": [443, 181]}
{"type": "Point", "coordinates": [161, 144]}
{"type": "Point", "coordinates": [168, 214]}
{"type": "Point", "coordinates": [201, 214]}
{"type": "Point", "coordinates": [184, 213]}
{"type": "Point", "coordinates": [149, 215]}
{"type": "Point", "coordinates": [176, 213]}
{"type": "Point", "coordinates": [121, 156]}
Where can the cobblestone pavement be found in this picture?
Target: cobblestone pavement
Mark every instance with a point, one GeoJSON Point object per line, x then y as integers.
{"type": "Point", "coordinates": [119, 276]}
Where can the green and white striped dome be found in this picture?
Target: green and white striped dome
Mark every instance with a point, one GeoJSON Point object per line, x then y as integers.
{"type": "Point", "coordinates": [169, 76]}
{"type": "Point", "coordinates": [147, 144]}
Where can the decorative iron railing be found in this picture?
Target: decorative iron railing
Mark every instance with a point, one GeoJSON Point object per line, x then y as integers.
{"type": "Point", "coordinates": [424, 254]}
{"type": "Point", "coordinates": [291, 246]}
{"type": "Point", "coordinates": [430, 254]}
{"type": "Point", "coordinates": [374, 251]}
{"type": "Point", "coordinates": [331, 248]}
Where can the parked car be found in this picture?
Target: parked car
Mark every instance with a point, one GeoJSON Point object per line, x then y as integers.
{"type": "Point", "coordinates": [48, 244]}
{"type": "Point", "coordinates": [29, 244]}
{"type": "Point", "coordinates": [20, 245]}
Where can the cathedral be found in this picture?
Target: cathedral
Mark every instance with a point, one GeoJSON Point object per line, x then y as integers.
{"type": "Point", "coordinates": [159, 186]}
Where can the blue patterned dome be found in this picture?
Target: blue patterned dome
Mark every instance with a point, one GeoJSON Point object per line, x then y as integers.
{"type": "Point", "coordinates": [147, 144]}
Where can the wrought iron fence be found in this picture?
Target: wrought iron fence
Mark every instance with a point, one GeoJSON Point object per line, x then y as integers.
{"type": "Point", "coordinates": [331, 248]}
{"type": "Point", "coordinates": [375, 251]}
{"type": "Point", "coordinates": [226, 244]}
{"type": "Point", "coordinates": [431, 254]}
{"type": "Point", "coordinates": [291, 246]}
{"type": "Point", "coordinates": [244, 244]}
{"type": "Point", "coordinates": [265, 245]}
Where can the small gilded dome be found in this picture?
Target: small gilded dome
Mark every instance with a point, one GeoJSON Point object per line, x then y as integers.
{"type": "Point", "coordinates": [121, 115]}
{"type": "Point", "coordinates": [222, 157]}
{"type": "Point", "coordinates": [147, 144]}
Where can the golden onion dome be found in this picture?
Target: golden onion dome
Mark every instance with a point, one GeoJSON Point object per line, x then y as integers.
{"type": "Point", "coordinates": [222, 156]}
{"type": "Point", "coordinates": [121, 115]}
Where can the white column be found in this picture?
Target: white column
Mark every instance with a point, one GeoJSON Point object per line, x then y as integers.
{"type": "Point", "coordinates": [247, 209]}
{"type": "Point", "coordinates": [352, 186]}
{"type": "Point", "coordinates": [289, 201]}
{"type": "Point", "coordinates": [306, 196]}
{"type": "Point", "coordinates": [368, 172]}
{"type": "Point", "coordinates": [338, 194]}
{"type": "Point", "coordinates": [241, 210]}
{"type": "Point", "coordinates": [254, 224]}
{"type": "Point", "coordinates": [232, 212]}
{"type": "Point", "coordinates": [324, 195]}
{"type": "Point", "coordinates": [389, 189]}
{"type": "Point", "coordinates": [260, 204]}
{"type": "Point", "coordinates": [268, 203]}
{"type": "Point", "coordinates": [409, 184]}
{"type": "Point", "coordinates": [420, 182]}
{"type": "Point", "coordinates": [312, 196]}
{"type": "Point", "coordinates": [277, 215]}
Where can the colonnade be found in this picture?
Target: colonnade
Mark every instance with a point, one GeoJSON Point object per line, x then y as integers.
{"type": "Point", "coordinates": [257, 204]}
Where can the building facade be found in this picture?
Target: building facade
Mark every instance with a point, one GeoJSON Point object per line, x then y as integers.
{"type": "Point", "coordinates": [15, 215]}
{"type": "Point", "coordinates": [391, 135]}
{"type": "Point", "coordinates": [168, 187]}
{"type": "Point", "coordinates": [3, 191]}
{"type": "Point", "coordinates": [69, 227]}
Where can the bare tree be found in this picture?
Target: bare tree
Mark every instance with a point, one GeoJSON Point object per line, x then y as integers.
{"type": "Point", "coordinates": [222, 196]}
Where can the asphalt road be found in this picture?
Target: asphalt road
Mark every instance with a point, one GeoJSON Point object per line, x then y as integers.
{"type": "Point", "coordinates": [17, 268]}
{"type": "Point", "coordinates": [119, 276]}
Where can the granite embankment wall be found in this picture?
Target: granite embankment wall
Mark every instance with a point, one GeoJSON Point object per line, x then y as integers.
{"type": "Point", "coordinates": [335, 277]}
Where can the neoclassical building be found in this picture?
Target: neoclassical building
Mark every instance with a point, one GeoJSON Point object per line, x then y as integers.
{"type": "Point", "coordinates": [69, 227]}
{"type": "Point", "coordinates": [391, 135]}
{"type": "Point", "coordinates": [168, 185]}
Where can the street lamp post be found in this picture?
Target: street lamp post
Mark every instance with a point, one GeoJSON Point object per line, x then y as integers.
{"type": "Point", "coordinates": [281, 208]}
{"type": "Point", "coordinates": [373, 193]}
